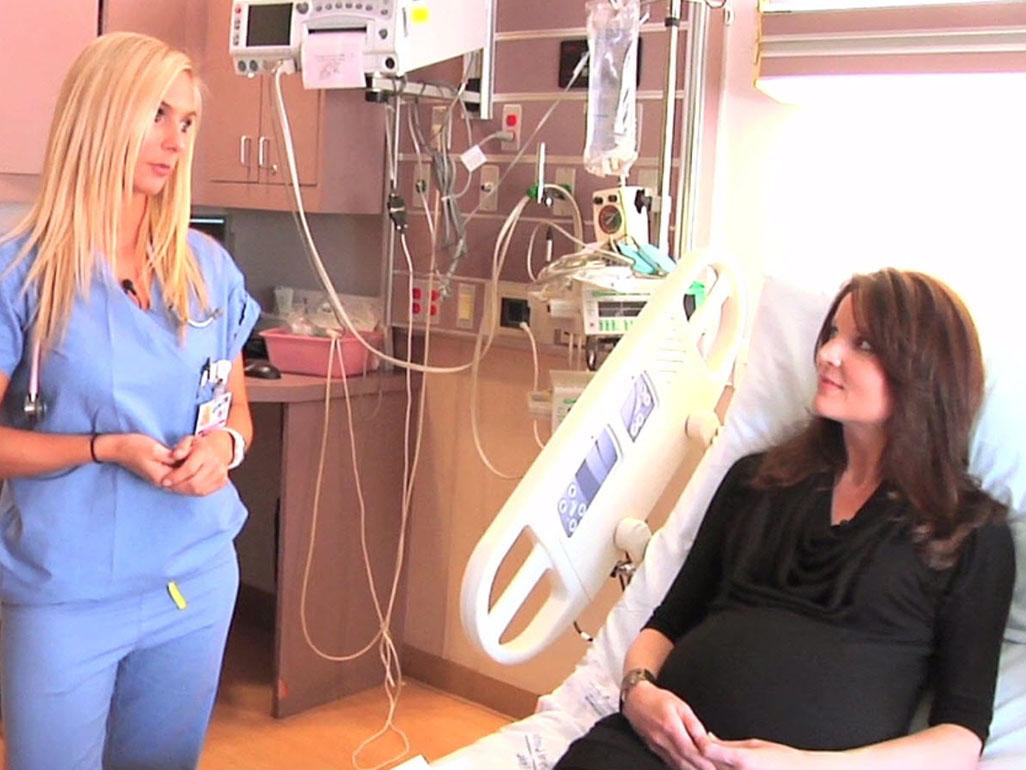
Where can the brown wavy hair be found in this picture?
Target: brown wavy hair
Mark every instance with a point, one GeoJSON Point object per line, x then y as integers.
{"type": "Point", "coordinates": [927, 345]}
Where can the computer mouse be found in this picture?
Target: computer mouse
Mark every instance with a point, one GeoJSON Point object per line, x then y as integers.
{"type": "Point", "coordinates": [263, 370]}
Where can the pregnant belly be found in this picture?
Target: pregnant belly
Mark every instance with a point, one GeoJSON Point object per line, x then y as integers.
{"type": "Point", "coordinates": [776, 675]}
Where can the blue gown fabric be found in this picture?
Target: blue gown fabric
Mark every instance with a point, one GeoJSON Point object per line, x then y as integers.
{"type": "Point", "coordinates": [97, 531]}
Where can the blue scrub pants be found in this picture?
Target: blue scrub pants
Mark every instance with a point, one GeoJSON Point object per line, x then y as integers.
{"type": "Point", "coordinates": [117, 684]}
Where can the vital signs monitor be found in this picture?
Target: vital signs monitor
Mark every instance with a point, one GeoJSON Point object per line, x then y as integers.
{"type": "Point", "coordinates": [395, 36]}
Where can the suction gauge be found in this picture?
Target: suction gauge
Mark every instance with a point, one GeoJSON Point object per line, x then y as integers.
{"type": "Point", "coordinates": [610, 220]}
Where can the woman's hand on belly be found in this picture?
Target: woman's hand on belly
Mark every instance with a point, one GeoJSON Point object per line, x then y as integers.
{"type": "Point", "coordinates": [201, 464]}
{"type": "Point", "coordinates": [668, 727]}
{"type": "Point", "coordinates": [144, 456]}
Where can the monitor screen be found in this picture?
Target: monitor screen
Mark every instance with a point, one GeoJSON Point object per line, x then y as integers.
{"type": "Point", "coordinates": [269, 25]}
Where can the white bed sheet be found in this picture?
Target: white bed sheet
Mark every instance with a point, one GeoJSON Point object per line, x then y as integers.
{"type": "Point", "coordinates": [770, 401]}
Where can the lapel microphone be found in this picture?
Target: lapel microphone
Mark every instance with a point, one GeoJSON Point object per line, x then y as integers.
{"type": "Point", "coordinates": [129, 288]}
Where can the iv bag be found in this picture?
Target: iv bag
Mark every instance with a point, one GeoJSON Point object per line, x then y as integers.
{"type": "Point", "coordinates": [613, 29]}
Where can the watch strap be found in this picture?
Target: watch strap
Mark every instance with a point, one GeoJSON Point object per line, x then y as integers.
{"type": "Point", "coordinates": [632, 678]}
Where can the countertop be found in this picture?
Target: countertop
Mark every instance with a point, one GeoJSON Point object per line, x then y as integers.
{"type": "Point", "coordinates": [293, 388]}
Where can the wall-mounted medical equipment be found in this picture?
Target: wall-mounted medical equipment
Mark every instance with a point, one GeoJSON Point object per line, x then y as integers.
{"type": "Point", "coordinates": [373, 37]}
{"type": "Point", "coordinates": [621, 213]}
{"type": "Point", "coordinates": [600, 291]}
{"type": "Point", "coordinates": [609, 459]}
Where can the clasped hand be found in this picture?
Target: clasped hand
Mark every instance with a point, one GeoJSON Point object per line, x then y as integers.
{"type": "Point", "coordinates": [670, 728]}
{"type": "Point", "coordinates": [196, 465]}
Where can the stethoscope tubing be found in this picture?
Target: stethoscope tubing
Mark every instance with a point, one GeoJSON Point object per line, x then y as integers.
{"type": "Point", "coordinates": [35, 406]}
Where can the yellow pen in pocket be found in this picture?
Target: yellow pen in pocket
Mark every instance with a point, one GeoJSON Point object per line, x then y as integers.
{"type": "Point", "coordinates": [176, 595]}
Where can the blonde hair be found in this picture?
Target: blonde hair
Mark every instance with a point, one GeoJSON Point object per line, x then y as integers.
{"type": "Point", "coordinates": [107, 104]}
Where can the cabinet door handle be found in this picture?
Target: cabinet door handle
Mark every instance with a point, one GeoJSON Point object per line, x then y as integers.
{"type": "Point", "coordinates": [262, 155]}
{"type": "Point", "coordinates": [244, 144]}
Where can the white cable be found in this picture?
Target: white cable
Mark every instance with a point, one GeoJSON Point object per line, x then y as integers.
{"type": "Point", "coordinates": [530, 249]}
{"type": "Point", "coordinates": [534, 360]}
{"type": "Point", "coordinates": [387, 652]}
{"type": "Point", "coordinates": [489, 314]}
{"type": "Point", "coordinates": [315, 515]}
{"type": "Point", "coordinates": [315, 257]}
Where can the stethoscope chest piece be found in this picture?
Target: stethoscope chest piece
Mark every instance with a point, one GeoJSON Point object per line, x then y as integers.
{"type": "Point", "coordinates": [35, 407]}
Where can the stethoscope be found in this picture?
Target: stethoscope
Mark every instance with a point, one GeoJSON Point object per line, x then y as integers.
{"type": "Point", "coordinates": [129, 288]}
{"type": "Point", "coordinates": [35, 405]}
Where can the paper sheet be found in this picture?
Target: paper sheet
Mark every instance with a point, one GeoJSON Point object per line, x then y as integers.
{"type": "Point", "coordinates": [333, 60]}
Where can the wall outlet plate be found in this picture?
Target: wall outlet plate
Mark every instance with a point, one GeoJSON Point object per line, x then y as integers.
{"type": "Point", "coordinates": [512, 120]}
{"type": "Point", "coordinates": [489, 186]}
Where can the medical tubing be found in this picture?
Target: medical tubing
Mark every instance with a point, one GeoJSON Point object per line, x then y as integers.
{"type": "Point", "coordinates": [502, 244]}
{"type": "Point", "coordinates": [530, 249]}
{"type": "Point", "coordinates": [527, 143]}
{"type": "Point", "coordinates": [318, 264]}
{"type": "Point", "coordinates": [343, 316]}
{"type": "Point", "coordinates": [409, 474]}
{"type": "Point", "coordinates": [314, 516]}
{"type": "Point", "coordinates": [526, 329]}
{"type": "Point", "coordinates": [444, 170]}
{"type": "Point", "coordinates": [498, 259]}
{"type": "Point", "coordinates": [388, 654]}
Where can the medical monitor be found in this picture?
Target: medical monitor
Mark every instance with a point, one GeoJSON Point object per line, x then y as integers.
{"type": "Point", "coordinates": [393, 37]}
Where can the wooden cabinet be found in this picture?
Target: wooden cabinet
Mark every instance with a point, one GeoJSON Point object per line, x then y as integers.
{"type": "Point", "coordinates": [34, 56]}
{"type": "Point", "coordinates": [338, 138]}
{"type": "Point", "coordinates": [278, 485]}
{"type": "Point", "coordinates": [181, 23]}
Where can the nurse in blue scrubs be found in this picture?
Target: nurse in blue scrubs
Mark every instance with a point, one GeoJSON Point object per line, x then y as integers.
{"type": "Point", "coordinates": [118, 572]}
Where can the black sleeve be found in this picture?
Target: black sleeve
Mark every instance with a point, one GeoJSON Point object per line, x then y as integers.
{"type": "Point", "coordinates": [698, 581]}
{"type": "Point", "coordinates": [970, 626]}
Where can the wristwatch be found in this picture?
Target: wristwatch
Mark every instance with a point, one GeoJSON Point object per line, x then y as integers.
{"type": "Point", "coordinates": [630, 679]}
{"type": "Point", "coordinates": [238, 447]}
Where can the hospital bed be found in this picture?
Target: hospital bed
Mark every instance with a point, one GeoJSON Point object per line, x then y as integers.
{"type": "Point", "coordinates": [771, 399]}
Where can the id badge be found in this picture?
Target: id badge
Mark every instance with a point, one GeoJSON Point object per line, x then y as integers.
{"type": "Point", "coordinates": [213, 414]}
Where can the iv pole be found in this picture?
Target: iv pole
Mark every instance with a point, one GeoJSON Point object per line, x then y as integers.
{"type": "Point", "coordinates": [666, 156]}
{"type": "Point", "coordinates": [691, 128]}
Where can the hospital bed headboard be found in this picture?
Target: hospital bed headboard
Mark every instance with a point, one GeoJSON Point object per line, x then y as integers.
{"type": "Point", "coordinates": [610, 458]}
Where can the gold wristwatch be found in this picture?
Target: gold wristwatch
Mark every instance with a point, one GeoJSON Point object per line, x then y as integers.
{"type": "Point", "coordinates": [630, 679]}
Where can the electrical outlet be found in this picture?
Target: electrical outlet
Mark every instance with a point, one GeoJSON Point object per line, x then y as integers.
{"type": "Point", "coordinates": [512, 117]}
{"type": "Point", "coordinates": [489, 200]}
{"type": "Point", "coordinates": [565, 178]}
{"type": "Point", "coordinates": [425, 301]}
{"type": "Point", "coordinates": [418, 295]}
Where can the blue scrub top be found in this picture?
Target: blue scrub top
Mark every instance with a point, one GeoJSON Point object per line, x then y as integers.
{"type": "Point", "coordinates": [97, 531]}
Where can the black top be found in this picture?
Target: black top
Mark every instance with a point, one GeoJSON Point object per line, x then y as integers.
{"type": "Point", "coordinates": [787, 628]}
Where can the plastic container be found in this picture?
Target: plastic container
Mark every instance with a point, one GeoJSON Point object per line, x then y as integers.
{"type": "Point", "coordinates": [302, 354]}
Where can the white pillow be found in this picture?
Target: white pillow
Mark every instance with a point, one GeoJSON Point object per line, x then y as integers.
{"type": "Point", "coordinates": [779, 381]}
